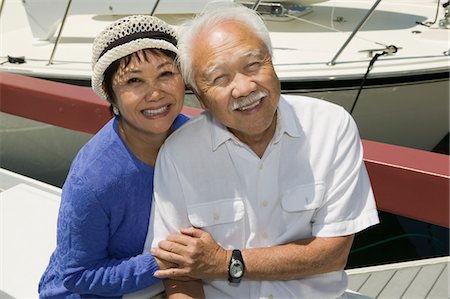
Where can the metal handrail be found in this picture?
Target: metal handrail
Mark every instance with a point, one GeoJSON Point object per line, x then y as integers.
{"type": "Point", "coordinates": [154, 7]}
{"type": "Point", "coordinates": [1, 7]}
{"type": "Point", "coordinates": [255, 6]}
{"type": "Point", "coordinates": [50, 61]}
{"type": "Point", "coordinates": [66, 13]}
{"type": "Point", "coordinates": [369, 13]}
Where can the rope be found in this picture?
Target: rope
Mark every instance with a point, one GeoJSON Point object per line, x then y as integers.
{"type": "Point", "coordinates": [389, 50]}
{"type": "Point", "coordinates": [369, 68]}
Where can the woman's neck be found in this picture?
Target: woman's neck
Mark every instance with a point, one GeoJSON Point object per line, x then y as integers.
{"type": "Point", "coordinates": [144, 146]}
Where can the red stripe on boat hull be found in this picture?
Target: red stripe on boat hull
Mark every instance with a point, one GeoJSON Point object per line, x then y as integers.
{"type": "Point", "coordinates": [63, 105]}
{"type": "Point", "coordinates": [407, 182]}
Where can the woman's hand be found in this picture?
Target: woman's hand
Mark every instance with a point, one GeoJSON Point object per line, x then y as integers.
{"type": "Point", "coordinates": [195, 254]}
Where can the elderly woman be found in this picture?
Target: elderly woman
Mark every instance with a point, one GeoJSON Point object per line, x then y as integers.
{"type": "Point", "coordinates": [106, 199]}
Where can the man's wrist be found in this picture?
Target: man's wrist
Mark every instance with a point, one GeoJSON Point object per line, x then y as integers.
{"type": "Point", "coordinates": [227, 263]}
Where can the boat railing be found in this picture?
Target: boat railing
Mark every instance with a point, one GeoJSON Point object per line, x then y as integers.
{"type": "Point", "coordinates": [58, 37]}
{"type": "Point", "coordinates": [255, 6]}
{"type": "Point", "coordinates": [1, 7]}
{"type": "Point", "coordinates": [279, 10]}
{"type": "Point", "coordinates": [275, 9]}
{"type": "Point", "coordinates": [154, 7]}
{"type": "Point", "coordinates": [272, 10]}
{"type": "Point", "coordinates": [66, 13]}
{"type": "Point", "coordinates": [445, 22]}
{"type": "Point", "coordinates": [44, 17]}
{"type": "Point", "coordinates": [366, 17]}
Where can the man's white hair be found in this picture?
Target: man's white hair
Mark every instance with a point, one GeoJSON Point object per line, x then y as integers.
{"type": "Point", "coordinates": [215, 13]}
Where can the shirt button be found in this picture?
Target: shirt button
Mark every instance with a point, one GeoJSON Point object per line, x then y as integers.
{"type": "Point", "coordinates": [261, 165]}
{"type": "Point", "coordinates": [265, 235]}
{"type": "Point", "coordinates": [216, 217]}
{"type": "Point", "coordinates": [270, 296]}
{"type": "Point", "coordinates": [264, 203]}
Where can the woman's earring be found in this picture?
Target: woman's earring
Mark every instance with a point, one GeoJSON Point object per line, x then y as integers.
{"type": "Point", "coordinates": [116, 110]}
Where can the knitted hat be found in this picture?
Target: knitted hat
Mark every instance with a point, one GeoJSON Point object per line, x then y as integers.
{"type": "Point", "coordinates": [126, 36]}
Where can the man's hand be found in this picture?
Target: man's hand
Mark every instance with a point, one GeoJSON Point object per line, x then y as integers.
{"type": "Point", "coordinates": [196, 254]}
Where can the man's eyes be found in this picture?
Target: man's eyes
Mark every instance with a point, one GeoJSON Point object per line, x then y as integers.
{"type": "Point", "coordinates": [219, 80]}
{"type": "Point", "coordinates": [253, 66]}
{"type": "Point", "coordinates": [248, 68]}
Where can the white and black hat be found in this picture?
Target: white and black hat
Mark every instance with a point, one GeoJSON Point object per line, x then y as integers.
{"type": "Point", "coordinates": [126, 36]}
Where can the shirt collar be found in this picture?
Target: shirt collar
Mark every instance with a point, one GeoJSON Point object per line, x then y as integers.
{"type": "Point", "coordinates": [286, 123]}
{"type": "Point", "coordinates": [219, 133]}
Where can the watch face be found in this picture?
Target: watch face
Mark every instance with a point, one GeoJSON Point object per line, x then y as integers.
{"type": "Point", "coordinates": [236, 269]}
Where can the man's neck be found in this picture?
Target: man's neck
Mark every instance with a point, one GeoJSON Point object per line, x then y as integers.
{"type": "Point", "coordinates": [258, 143]}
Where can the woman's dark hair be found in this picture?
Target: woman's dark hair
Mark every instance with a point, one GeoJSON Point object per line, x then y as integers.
{"type": "Point", "coordinates": [113, 67]}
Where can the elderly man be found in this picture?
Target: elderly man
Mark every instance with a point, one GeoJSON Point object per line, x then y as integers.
{"type": "Point", "coordinates": [277, 181]}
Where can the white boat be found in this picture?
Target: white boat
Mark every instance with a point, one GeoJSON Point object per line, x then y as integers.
{"type": "Point", "coordinates": [322, 48]}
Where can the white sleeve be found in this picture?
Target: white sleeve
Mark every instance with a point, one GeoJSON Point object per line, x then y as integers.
{"type": "Point", "coordinates": [349, 202]}
{"type": "Point", "coordinates": [168, 213]}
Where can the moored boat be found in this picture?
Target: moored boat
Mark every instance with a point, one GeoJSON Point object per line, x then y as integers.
{"type": "Point", "coordinates": [322, 48]}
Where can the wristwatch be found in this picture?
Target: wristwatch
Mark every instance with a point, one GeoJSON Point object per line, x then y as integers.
{"type": "Point", "coordinates": [236, 268]}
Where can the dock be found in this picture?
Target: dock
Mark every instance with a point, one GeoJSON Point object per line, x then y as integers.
{"type": "Point", "coordinates": [29, 209]}
{"type": "Point", "coordinates": [420, 279]}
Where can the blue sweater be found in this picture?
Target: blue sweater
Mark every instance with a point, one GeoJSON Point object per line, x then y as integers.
{"type": "Point", "coordinates": [102, 222]}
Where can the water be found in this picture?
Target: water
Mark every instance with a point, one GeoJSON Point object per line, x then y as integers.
{"type": "Point", "coordinates": [398, 239]}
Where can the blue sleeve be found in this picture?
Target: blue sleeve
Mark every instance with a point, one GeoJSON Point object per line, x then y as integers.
{"type": "Point", "coordinates": [180, 120]}
{"type": "Point", "coordinates": [83, 237]}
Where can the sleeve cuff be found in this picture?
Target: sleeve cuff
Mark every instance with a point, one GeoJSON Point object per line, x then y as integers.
{"type": "Point", "coordinates": [348, 227]}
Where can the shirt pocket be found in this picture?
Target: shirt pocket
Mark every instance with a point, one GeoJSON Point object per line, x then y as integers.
{"type": "Point", "coordinates": [303, 197]}
{"type": "Point", "coordinates": [216, 212]}
{"type": "Point", "coordinates": [223, 219]}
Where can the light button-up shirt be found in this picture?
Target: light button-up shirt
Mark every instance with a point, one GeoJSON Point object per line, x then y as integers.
{"type": "Point", "coordinates": [311, 181]}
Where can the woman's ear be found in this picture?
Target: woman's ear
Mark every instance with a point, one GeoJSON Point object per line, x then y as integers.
{"type": "Point", "coordinates": [109, 93]}
{"type": "Point", "coordinates": [105, 89]}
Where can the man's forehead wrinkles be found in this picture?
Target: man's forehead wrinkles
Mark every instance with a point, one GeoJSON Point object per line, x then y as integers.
{"type": "Point", "coordinates": [219, 64]}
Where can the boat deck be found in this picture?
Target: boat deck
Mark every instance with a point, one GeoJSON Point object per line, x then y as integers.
{"type": "Point", "coordinates": [426, 278]}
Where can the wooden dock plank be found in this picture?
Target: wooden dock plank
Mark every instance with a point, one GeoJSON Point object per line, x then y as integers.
{"type": "Point", "coordinates": [424, 281]}
{"type": "Point", "coordinates": [355, 282]}
{"type": "Point", "coordinates": [399, 283]}
{"type": "Point", "coordinates": [376, 282]}
{"type": "Point", "coordinates": [427, 278]}
{"type": "Point", "coordinates": [441, 287]}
